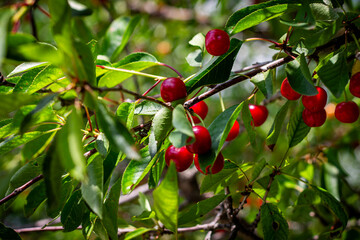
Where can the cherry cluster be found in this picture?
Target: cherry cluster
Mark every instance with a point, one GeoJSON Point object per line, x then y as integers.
{"type": "Point", "coordinates": [314, 114]}
{"type": "Point", "coordinates": [217, 42]}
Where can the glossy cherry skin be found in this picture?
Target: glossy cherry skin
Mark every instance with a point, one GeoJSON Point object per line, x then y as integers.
{"type": "Point", "coordinates": [173, 89]}
{"type": "Point", "coordinates": [217, 166]}
{"type": "Point", "coordinates": [317, 102]}
{"type": "Point", "coordinates": [181, 157]}
{"type": "Point", "coordinates": [234, 131]}
{"type": "Point", "coordinates": [347, 112]}
{"type": "Point", "coordinates": [259, 114]}
{"type": "Point", "coordinates": [201, 109]}
{"type": "Point", "coordinates": [314, 119]}
{"type": "Point", "coordinates": [202, 142]}
{"type": "Point", "coordinates": [217, 42]}
{"type": "Point", "coordinates": [354, 86]}
{"type": "Point", "coordinates": [287, 91]}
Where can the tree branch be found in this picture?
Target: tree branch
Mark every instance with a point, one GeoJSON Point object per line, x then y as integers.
{"type": "Point", "coordinates": [20, 189]}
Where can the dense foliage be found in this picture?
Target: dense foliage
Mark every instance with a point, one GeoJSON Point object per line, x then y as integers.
{"type": "Point", "coordinates": [88, 117]}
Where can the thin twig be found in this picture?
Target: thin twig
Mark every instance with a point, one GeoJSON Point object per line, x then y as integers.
{"type": "Point", "coordinates": [20, 189]}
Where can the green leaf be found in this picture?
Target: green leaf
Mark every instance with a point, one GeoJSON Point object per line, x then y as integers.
{"type": "Point", "coordinates": [27, 79]}
{"type": "Point", "coordinates": [144, 216]}
{"type": "Point", "coordinates": [275, 129]}
{"type": "Point", "coordinates": [334, 73]}
{"type": "Point", "coordinates": [274, 224]}
{"type": "Point", "coordinates": [264, 82]}
{"type": "Point", "coordinates": [66, 189]}
{"type": "Point", "coordinates": [135, 170]}
{"type": "Point", "coordinates": [85, 68]}
{"type": "Point", "coordinates": [110, 163]}
{"type": "Point", "coordinates": [69, 146]}
{"type": "Point", "coordinates": [330, 201]}
{"type": "Point", "coordinates": [299, 76]}
{"type": "Point", "coordinates": [27, 66]}
{"type": "Point", "coordinates": [135, 61]}
{"type": "Point", "coordinates": [92, 190]}
{"type": "Point", "coordinates": [5, 15]}
{"type": "Point", "coordinates": [147, 108]}
{"type": "Point", "coordinates": [306, 197]}
{"type": "Point", "coordinates": [27, 172]}
{"type": "Point", "coordinates": [166, 208]}
{"type": "Point", "coordinates": [102, 145]}
{"type": "Point", "coordinates": [8, 233]}
{"type": "Point", "coordinates": [119, 32]}
{"type": "Point", "coordinates": [257, 169]}
{"type": "Point", "coordinates": [198, 41]}
{"type": "Point", "coordinates": [217, 70]}
{"type": "Point", "coordinates": [255, 14]}
{"type": "Point", "coordinates": [78, 9]}
{"type": "Point", "coordinates": [219, 129]}
{"type": "Point", "coordinates": [38, 52]}
{"type": "Point", "coordinates": [247, 119]}
{"type": "Point", "coordinates": [178, 139]}
{"type": "Point", "coordinates": [195, 58]}
{"type": "Point", "coordinates": [297, 129]}
{"type": "Point", "coordinates": [157, 170]}
{"type": "Point", "coordinates": [161, 125]}
{"type": "Point", "coordinates": [60, 17]}
{"type": "Point", "coordinates": [210, 182]}
{"type": "Point", "coordinates": [14, 101]}
{"type": "Point", "coordinates": [18, 140]}
{"type": "Point", "coordinates": [111, 210]}
{"type": "Point", "coordinates": [34, 199]}
{"type": "Point", "coordinates": [200, 209]}
{"type": "Point", "coordinates": [72, 214]}
{"type": "Point", "coordinates": [122, 112]}
{"type": "Point", "coordinates": [180, 121]}
{"type": "Point", "coordinates": [136, 233]}
{"type": "Point", "coordinates": [117, 134]}
{"type": "Point", "coordinates": [144, 202]}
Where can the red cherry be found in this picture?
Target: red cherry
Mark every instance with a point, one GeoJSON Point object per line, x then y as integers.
{"type": "Point", "coordinates": [259, 114]}
{"type": "Point", "coordinates": [314, 119]}
{"type": "Point", "coordinates": [202, 142]}
{"type": "Point", "coordinates": [173, 89]}
{"type": "Point", "coordinates": [234, 131]}
{"type": "Point", "coordinates": [217, 42]}
{"type": "Point", "coordinates": [354, 86]}
{"type": "Point", "coordinates": [287, 91]}
{"type": "Point", "coordinates": [217, 166]}
{"type": "Point", "coordinates": [181, 157]}
{"type": "Point", "coordinates": [347, 112]}
{"type": "Point", "coordinates": [200, 109]}
{"type": "Point", "coordinates": [317, 102]}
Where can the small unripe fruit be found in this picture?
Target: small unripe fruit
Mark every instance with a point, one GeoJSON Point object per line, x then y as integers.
{"type": "Point", "coordinates": [200, 109]}
{"type": "Point", "coordinates": [173, 89]}
{"type": "Point", "coordinates": [354, 86]}
{"type": "Point", "coordinates": [217, 42]}
{"type": "Point", "coordinates": [259, 114]}
{"type": "Point", "coordinates": [180, 156]}
{"type": "Point", "coordinates": [217, 166]}
{"type": "Point", "coordinates": [347, 112]}
{"type": "Point", "coordinates": [287, 91]}
{"type": "Point", "coordinates": [314, 119]}
{"type": "Point", "coordinates": [234, 131]}
{"type": "Point", "coordinates": [202, 142]}
{"type": "Point", "coordinates": [317, 102]}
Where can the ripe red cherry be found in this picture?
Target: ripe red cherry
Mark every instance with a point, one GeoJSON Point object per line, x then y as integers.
{"type": "Point", "coordinates": [354, 86]}
{"type": "Point", "coordinates": [181, 157]}
{"type": "Point", "coordinates": [314, 119]}
{"type": "Point", "coordinates": [217, 166]}
{"type": "Point", "coordinates": [287, 91]}
{"type": "Point", "coordinates": [259, 114]}
{"type": "Point", "coordinates": [317, 102]}
{"type": "Point", "coordinates": [172, 89]}
{"type": "Point", "coordinates": [347, 112]}
{"type": "Point", "coordinates": [200, 109]}
{"type": "Point", "coordinates": [217, 42]}
{"type": "Point", "coordinates": [202, 142]}
{"type": "Point", "coordinates": [234, 131]}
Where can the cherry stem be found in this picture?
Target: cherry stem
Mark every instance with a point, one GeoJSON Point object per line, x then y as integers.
{"type": "Point", "coordinates": [168, 66]}
{"type": "Point", "coordinates": [190, 117]}
{"type": "Point", "coordinates": [96, 122]}
{"type": "Point", "coordinates": [44, 11]}
{"type": "Point", "coordinates": [88, 118]}
{"type": "Point", "coordinates": [131, 72]}
{"type": "Point", "coordinates": [152, 87]}
{"type": "Point", "coordinates": [285, 155]}
{"type": "Point", "coordinates": [345, 95]}
{"type": "Point", "coordinates": [262, 39]}
{"type": "Point", "coordinates": [221, 102]}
